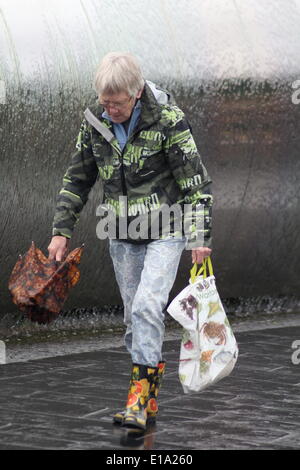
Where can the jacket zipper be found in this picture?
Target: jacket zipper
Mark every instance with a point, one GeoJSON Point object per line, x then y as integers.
{"type": "Point", "coordinates": [123, 181]}
{"type": "Point", "coordinates": [122, 172]}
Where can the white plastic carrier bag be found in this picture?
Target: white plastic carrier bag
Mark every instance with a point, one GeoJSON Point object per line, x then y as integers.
{"type": "Point", "coordinates": [208, 349]}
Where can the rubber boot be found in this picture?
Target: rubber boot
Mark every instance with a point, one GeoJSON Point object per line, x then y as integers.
{"type": "Point", "coordinates": [119, 415]}
{"type": "Point", "coordinates": [152, 406]}
{"type": "Point", "coordinates": [136, 409]}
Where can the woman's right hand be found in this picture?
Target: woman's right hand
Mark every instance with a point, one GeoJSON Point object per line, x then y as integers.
{"type": "Point", "coordinates": [58, 247]}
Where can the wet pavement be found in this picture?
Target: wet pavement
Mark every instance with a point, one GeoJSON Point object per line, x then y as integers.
{"type": "Point", "coordinates": [67, 401]}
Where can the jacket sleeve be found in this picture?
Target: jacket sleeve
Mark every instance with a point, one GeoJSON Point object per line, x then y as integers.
{"type": "Point", "coordinates": [191, 176]}
{"type": "Point", "coordinates": [77, 183]}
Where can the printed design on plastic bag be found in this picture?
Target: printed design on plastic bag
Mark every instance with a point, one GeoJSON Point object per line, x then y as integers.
{"type": "Point", "coordinates": [209, 349]}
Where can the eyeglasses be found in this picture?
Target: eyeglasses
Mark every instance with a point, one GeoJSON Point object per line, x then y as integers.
{"type": "Point", "coordinates": [116, 105]}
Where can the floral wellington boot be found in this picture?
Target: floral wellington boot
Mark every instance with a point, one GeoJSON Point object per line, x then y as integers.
{"type": "Point", "coordinates": [152, 407]}
{"type": "Point", "coordinates": [136, 408]}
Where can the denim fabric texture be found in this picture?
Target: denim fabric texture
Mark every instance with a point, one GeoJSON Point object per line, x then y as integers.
{"type": "Point", "coordinates": [145, 275]}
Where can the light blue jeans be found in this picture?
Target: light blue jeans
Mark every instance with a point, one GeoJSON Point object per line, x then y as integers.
{"type": "Point", "coordinates": [145, 275]}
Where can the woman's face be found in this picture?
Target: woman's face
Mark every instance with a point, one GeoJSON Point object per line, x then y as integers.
{"type": "Point", "coordinates": [119, 106]}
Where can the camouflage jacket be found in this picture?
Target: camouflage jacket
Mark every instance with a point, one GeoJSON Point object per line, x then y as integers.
{"type": "Point", "coordinates": [158, 167]}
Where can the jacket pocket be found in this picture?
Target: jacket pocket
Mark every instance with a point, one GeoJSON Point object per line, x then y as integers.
{"type": "Point", "coordinates": [144, 170]}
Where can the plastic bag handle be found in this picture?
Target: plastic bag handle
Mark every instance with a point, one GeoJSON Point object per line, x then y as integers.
{"type": "Point", "coordinates": [206, 266]}
{"type": "Point", "coordinates": [193, 272]}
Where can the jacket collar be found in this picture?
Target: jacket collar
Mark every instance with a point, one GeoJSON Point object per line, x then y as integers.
{"type": "Point", "coordinates": [151, 110]}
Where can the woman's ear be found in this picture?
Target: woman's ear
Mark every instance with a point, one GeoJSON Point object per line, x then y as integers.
{"type": "Point", "coordinates": [139, 94]}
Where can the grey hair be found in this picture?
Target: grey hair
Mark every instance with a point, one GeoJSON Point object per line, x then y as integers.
{"type": "Point", "coordinates": [118, 72]}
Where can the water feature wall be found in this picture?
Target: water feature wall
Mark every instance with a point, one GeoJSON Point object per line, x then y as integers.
{"type": "Point", "coordinates": [232, 67]}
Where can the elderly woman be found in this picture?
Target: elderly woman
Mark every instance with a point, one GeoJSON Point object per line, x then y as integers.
{"type": "Point", "coordinates": [141, 146]}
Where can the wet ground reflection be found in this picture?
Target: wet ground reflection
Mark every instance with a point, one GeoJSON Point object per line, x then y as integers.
{"type": "Point", "coordinates": [135, 438]}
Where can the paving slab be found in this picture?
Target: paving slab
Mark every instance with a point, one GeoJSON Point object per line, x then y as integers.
{"type": "Point", "coordinates": [66, 402]}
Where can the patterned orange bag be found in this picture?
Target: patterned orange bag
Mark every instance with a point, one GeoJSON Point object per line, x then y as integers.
{"type": "Point", "coordinates": [39, 287]}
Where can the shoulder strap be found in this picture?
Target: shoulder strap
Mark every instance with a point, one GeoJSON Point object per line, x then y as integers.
{"type": "Point", "coordinates": [103, 130]}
